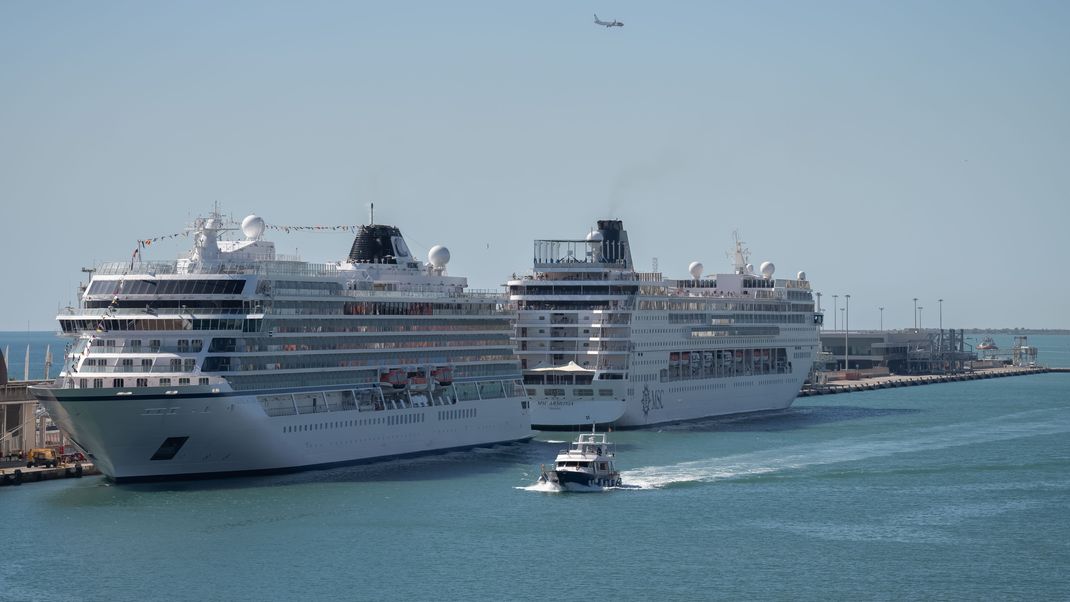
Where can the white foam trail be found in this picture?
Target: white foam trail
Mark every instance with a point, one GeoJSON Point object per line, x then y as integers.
{"type": "Point", "coordinates": [554, 441]}
{"type": "Point", "coordinates": [1013, 426]}
{"type": "Point", "coordinates": [543, 487]}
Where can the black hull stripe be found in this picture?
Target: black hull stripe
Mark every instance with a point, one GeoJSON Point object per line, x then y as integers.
{"type": "Point", "coordinates": [198, 476]}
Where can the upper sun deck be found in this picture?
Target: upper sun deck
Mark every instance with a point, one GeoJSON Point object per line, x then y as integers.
{"type": "Point", "coordinates": [279, 266]}
{"type": "Point", "coordinates": [561, 254]}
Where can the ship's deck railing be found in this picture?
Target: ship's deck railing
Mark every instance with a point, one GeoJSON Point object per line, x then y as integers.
{"type": "Point", "coordinates": [277, 267]}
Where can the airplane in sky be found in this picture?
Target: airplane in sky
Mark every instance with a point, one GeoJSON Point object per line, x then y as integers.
{"type": "Point", "coordinates": [613, 23]}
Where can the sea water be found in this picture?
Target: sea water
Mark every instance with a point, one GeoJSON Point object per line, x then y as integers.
{"type": "Point", "coordinates": [948, 491]}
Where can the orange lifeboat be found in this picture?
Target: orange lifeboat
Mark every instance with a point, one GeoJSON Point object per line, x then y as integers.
{"type": "Point", "coordinates": [394, 378]}
{"type": "Point", "coordinates": [443, 375]}
{"type": "Point", "coordinates": [418, 380]}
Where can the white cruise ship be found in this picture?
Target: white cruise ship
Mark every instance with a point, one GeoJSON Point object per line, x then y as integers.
{"type": "Point", "coordinates": [602, 343]}
{"type": "Point", "coordinates": [234, 359]}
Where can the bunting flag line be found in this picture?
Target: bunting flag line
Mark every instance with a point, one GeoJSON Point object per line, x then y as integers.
{"type": "Point", "coordinates": [287, 229]}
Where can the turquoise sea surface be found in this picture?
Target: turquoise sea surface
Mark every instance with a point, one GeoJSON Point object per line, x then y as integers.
{"type": "Point", "coordinates": [956, 491]}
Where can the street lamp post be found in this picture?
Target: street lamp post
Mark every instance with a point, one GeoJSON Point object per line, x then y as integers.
{"type": "Point", "coordinates": [915, 313]}
{"type": "Point", "coordinates": [919, 316]}
{"type": "Point", "coordinates": [941, 301]}
{"type": "Point", "coordinates": [846, 328]}
{"type": "Point", "coordinates": [818, 295]}
{"type": "Point", "coordinates": [835, 306]}
{"type": "Point", "coordinates": [882, 318]}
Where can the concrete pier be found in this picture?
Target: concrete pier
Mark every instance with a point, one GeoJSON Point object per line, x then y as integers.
{"type": "Point", "coordinates": [889, 382]}
{"type": "Point", "coordinates": [17, 475]}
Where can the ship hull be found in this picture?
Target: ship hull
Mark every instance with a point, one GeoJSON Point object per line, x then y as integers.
{"type": "Point", "coordinates": [555, 414]}
{"type": "Point", "coordinates": [153, 437]}
{"type": "Point", "coordinates": [659, 403]}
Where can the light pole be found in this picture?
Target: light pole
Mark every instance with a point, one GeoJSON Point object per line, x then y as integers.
{"type": "Point", "coordinates": [915, 313]}
{"type": "Point", "coordinates": [835, 305]}
{"type": "Point", "coordinates": [919, 317]}
{"type": "Point", "coordinates": [882, 318]}
{"type": "Point", "coordinates": [941, 301]}
{"type": "Point", "coordinates": [846, 327]}
{"type": "Point", "coordinates": [818, 302]}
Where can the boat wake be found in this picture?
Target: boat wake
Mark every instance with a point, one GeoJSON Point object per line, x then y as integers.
{"type": "Point", "coordinates": [1013, 426]}
{"type": "Point", "coordinates": [542, 487]}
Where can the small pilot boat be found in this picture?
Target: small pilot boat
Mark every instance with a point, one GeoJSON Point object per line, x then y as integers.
{"type": "Point", "coordinates": [587, 465]}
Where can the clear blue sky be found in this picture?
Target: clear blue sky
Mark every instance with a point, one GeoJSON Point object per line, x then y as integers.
{"type": "Point", "coordinates": [890, 149]}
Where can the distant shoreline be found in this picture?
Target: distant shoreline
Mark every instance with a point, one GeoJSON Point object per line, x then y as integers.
{"type": "Point", "coordinates": [1016, 331]}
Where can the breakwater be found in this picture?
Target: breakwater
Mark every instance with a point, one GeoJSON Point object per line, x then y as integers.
{"type": "Point", "coordinates": [893, 381]}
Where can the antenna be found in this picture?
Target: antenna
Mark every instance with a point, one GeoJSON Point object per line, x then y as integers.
{"type": "Point", "coordinates": [371, 219]}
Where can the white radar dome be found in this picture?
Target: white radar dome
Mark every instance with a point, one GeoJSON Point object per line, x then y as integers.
{"type": "Point", "coordinates": [750, 268]}
{"type": "Point", "coordinates": [801, 276]}
{"type": "Point", "coordinates": [595, 236]}
{"type": "Point", "coordinates": [252, 227]}
{"type": "Point", "coordinates": [695, 269]}
{"type": "Point", "coordinates": [767, 269]}
{"type": "Point", "coordinates": [438, 256]}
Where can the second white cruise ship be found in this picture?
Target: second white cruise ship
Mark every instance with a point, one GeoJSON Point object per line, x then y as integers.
{"type": "Point", "coordinates": [234, 359]}
{"type": "Point", "coordinates": [602, 343]}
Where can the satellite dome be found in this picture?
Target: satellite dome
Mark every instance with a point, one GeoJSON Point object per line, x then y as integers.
{"type": "Point", "coordinates": [801, 276]}
{"type": "Point", "coordinates": [750, 268]}
{"type": "Point", "coordinates": [767, 269]}
{"type": "Point", "coordinates": [594, 236]}
{"type": "Point", "coordinates": [252, 227]}
{"type": "Point", "coordinates": [695, 269]}
{"type": "Point", "coordinates": [438, 256]}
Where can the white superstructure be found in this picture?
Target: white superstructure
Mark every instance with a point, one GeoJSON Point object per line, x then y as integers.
{"type": "Point", "coordinates": [602, 343]}
{"type": "Point", "coordinates": [234, 359]}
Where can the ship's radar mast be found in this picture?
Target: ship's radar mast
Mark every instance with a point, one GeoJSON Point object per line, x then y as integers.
{"type": "Point", "coordinates": [740, 256]}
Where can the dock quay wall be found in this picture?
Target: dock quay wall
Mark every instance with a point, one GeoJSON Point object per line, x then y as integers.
{"type": "Point", "coordinates": [15, 475]}
{"type": "Point", "coordinates": [893, 381]}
